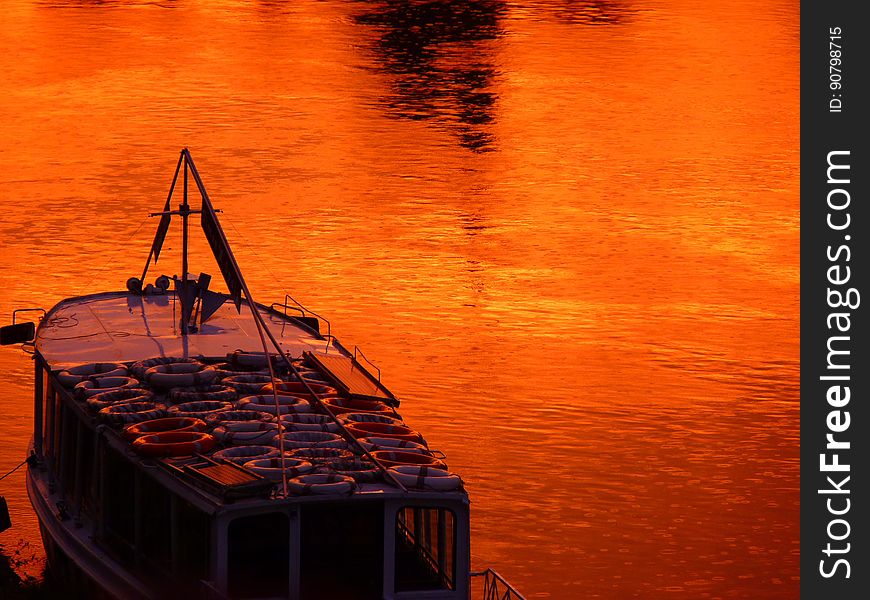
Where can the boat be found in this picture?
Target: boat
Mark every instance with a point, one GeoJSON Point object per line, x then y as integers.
{"type": "Point", "coordinates": [193, 443]}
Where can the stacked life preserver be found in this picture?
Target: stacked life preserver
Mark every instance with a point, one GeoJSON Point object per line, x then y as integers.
{"type": "Point", "coordinates": [395, 458]}
{"type": "Point", "coordinates": [360, 469]}
{"type": "Point", "coordinates": [248, 383]}
{"type": "Point", "coordinates": [200, 410]}
{"type": "Point", "coordinates": [321, 456]}
{"type": "Point", "coordinates": [266, 404]}
{"type": "Point", "coordinates": [220, 393]}
{"type": "Point", "coordinates": [294, 440]}
{"type": "Point", "coordinates": [164, 425]}
{"type": "Point", "coordinates": [381, 443]}
{"type": "Point", "coordinates": [322, 483]}
{"type": "Point", "coordinates": [297, 388]}
{"type": "Point", "coordinates": [399, 432]}
{"type": "Point", "coordinates": [139, 368]}
{"type": "Point", "coordinates": [132, 412]}
{"type": "Point", "coordinates": [424, 477]}
{"type": "Point", "coordinates": [276, 468]}
{"type": "Point", "coordinates": [100, 401]}
{"type": "Point", "coordinates": [242, 454]}
{"type": "Point", "coordinates": [74, 375]}
{"type": "Point", "coordinates": [219, 418]}
{"type": "Point", "coordinates": [309, 422]}
{"type": "Point", "coordinates": [173, 443]}
{"type": "Point", "coordinates": [340, 406]}
{"type": "Point", "coordinates": [367, 417]}
{"type": "Point", "coordinates": [98, 385]}
{"type": "Point", "coordinates": [245, 433]}
{"type": "Point", "coordinates": [180, 374]}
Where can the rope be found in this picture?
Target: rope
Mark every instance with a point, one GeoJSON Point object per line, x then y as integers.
{"type": "Point", "coordinates": [23, 462]}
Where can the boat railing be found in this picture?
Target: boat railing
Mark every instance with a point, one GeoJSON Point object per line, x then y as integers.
{"type": "Point", "coordinates": [356, 350]}
{"type": "Point", "coordinates": [298, 306]}
{"type": "Point", "coordinates": [496, 587]}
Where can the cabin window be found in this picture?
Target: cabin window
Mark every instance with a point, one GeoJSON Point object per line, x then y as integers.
{"type": "Point", "coordinates": [118, 504]}
{"type": "Point", "coordinates": [192, 540]}
{"type": "Point", "coordinates": [47, 415]}
{"type": "Point", "coordinates": [154, 529]}
{"type": "Point", "coordinates": [346, 538]}
{"type": "Point", "coordinates": [425, 549]}
{"type": "Point", "coordinates": [259, 556]}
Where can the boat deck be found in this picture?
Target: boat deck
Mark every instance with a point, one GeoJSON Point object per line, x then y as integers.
{"type": "Point", "coordinates": [124, 327]}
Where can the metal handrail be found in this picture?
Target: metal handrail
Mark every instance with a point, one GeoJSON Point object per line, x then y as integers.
{"type": "Point", "coordinates": [304, 310]}
{"type": "Point", "coordinates": [356, 350]}
{"type": "Point", "coordinates": [496, 587]}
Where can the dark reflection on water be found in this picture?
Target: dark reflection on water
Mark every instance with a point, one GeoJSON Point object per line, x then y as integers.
{"type": "Point", "coordinates": [441, 63]}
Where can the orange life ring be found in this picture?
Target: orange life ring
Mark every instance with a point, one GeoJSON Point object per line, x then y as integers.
{"type": "Point", "coordinates": [395, 458]}
{"type": "Point", "coordinates": [424, 477]}
{"type": "Point", "coordinates": [381, 443]}
{"type": "Point", "coordinates": [173, 443]}
{"type": "Point", "coordinates": [296, 388]}
{"type": "Point", "coordinates": [340, 406]}
{"type": "Point", "coordinates": [399, 432]}
{"type": "Point", "coordinates": [164, 425]}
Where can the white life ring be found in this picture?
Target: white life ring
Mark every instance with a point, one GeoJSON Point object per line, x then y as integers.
{"type": "Point", "coordinates": [322, 483]}
{"type": "Point", "coordinates": [132, 412]}
{"type": "Point", "coordinates": [203, 392]}
{"type": "Point", "coordinates": [266, 404]}
{"type": "Point", "coordinates": [199, 410]}
{"type": "Point", "coordinates": [309, 422]}
{"type": "Point", "coordinates": [215, 419]}
{"type": "Point", "coordinates": [364, 417]}
{"type": "Point", "coordinates": [380, 443]}
{"type": "Point", "coordinates": [104, 399]}
{"type": "Point", "coordinates": [423, 477]}
{"type": "Point", "coordinates": [138, 368]}
{"type": "Point", "coordinates": [294, 440]}
{"type": "Point", "coordinates": [182, 374]}
{"type": "Point", "coordinates": [98, 385]}
{"type": "Point", "coordinates": [275, 468]}
{"type": "Point", "coordinates": [75, 375]}
{"type": "Point", "coordinates": [242, 454]}
{"type": "Point", "coordinates": [246, 433]}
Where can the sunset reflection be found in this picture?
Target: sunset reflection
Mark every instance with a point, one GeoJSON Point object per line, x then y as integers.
{"type": "Point", "coordinates": [566, 232]}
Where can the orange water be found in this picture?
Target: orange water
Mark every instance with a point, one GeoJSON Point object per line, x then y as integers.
{"type": "Point", "coordinates": [566, 231]}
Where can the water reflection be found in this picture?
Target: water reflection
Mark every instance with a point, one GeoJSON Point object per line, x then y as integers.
{"type": "Point", "coordinates": [581, 12]}
{"type": "Point", "coordinates": [440, 58]}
